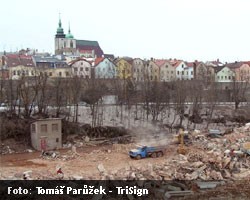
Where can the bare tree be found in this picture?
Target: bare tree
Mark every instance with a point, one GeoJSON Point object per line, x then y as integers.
{"type": "Point", "coordinates": [75, 87]}
{"type": "Point", "coordinates": [60, 94]}
{"type": "Point", "coordinates": [211, 98]}
{"type": "Point", "coordinates": [180, 98]}
{"type": "Point", "coordinates": [93, 96]}
{"type": "Point", "coordinates": [28, 95]}
{"type": "Point", "coordinates": [239, 90]}
{"type": "Point", "coordinates": [196, 97]}
{"type": "Point", "coordinates": [41, 89]}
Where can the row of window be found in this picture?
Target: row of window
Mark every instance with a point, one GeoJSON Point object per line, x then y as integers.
{"type": "Point", "coordinates": [23, 73]}
{"type": "Point", "coordinates": [182, 72]}
{"type": "Point", "coordinates": [104, 69]}
{"type": "Point", "coordinates": [26, 73]}
{"type": "Point", "coordinates": [225, 77]}
{"type": "Point", "coordinates": [44, 128]}
{"type": "Point", "coordinates": [81, 69]}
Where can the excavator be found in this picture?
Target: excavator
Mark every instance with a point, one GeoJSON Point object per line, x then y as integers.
{"type": "Point", "coordinates": [181, 148]}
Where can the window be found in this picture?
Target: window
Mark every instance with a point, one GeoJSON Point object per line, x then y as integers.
{"type": "Point", "coordinates": [229, 77]}
{"type": "Point", "coordinates": [54, 127]}
{"type": "Point", "coordinates": [172, 72]}
{"type": "Point", "coordinates": [57, 139]}
{"type": "Point", "coordinates": [87, 76]}
{"type": "Point", "coordinates": [191, 72]}
{"type": "Point", "coordinates": [44, 128]}
{"type": "Point", "coordinates": [178, 72]}
{"type": "Point", "coordinates": [182, 66]}
{"type": "Point", "coordinates": [221, 77]}
{"type": "Point", "coordinates": [33, 128]}
{"type": "Point", "coordinates": [166, 66]}
{"type": "Point", "coordinates": [182, 73]}
{"type": "Point", "coordinates": [81, 69]}
{"type": "Point", "coordinates": [218, 77]}
{"type": "Point", "coordinates": [60, 73]}
{"type": "Point", "coordinates": [50, 74]}
{"type": "Point", "coordinates": [75, 69]}
{"type": "Point", "coordinates": [187, 72]}
{"type": "Point", "coordinates": [14, 72]}
{"type": "Point", "coordinates": [225, 77]}
{"type": "Point", "coordinates": [67, 73]}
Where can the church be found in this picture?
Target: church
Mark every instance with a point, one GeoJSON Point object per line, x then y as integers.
{"type": "Point", "coordinates": [66, 44]}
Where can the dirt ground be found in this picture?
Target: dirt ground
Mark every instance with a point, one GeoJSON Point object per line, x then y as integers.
{"type": "Point", "coordinates": [112, 157]}
{"type": "Point", "coordinates": [84, 165]}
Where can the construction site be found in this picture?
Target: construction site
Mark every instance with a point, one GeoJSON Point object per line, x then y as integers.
{"type": "Point", "coordinates": [190, 164]}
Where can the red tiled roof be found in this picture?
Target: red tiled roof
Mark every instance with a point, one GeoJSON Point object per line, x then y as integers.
{"type": "Point", "coordinates": [175, 63]}
{"type": "Point", "coordinates": [97, 49]}
{"type": "Point", "coordinates": [234, 65]}
{"type": "Point", "coordinates": [160, 62]}
{"type": "Point", "coordinates": [98, 60]}
{"type": "Point", "coordinates": [13, 60]}
{"type": "Point", "coordinates": [246, 62]}
{"type": "Point", "coordinates": [216, 62]}
{"type": "Point", "coordinates": [191, 64]}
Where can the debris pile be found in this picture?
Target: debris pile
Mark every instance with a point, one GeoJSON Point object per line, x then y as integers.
{"type": "Point", "coordinates": [208, 159]}
{"type": "Point", "coordinates": [50, 155]}
{"type": "Point", "coordinates": [6, 150]}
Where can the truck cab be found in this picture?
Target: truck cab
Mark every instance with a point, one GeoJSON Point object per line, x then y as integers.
{"type": "Point", "coordinates": [145, 151]}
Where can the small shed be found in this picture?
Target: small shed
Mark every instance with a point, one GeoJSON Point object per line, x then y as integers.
{"type": "Point", "coordinates": [46, 134]}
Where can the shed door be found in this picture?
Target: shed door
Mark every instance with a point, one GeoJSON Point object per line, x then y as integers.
{"type": "Point", "coordinates": [43, 143]}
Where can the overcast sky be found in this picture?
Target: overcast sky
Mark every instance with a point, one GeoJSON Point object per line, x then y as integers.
{"type": "Point", "coordinates": [184, 29]}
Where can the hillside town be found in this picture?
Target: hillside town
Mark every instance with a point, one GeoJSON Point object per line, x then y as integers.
{"type": "Point", "coordinates": [83, 114]}
{"type": "Point", "coordinates": [86, 59]}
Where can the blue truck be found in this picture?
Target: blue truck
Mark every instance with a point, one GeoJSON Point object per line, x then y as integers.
{"type": "Point", "coordinates": [145, 151]}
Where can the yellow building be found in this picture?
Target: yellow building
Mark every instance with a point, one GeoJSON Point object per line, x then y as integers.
{"type": "Point", "coordinates": [19, 71]}
{"type": "Point", "coordinates": [124, 68]}
{"type": "Point", "coordinates": [63, 72]}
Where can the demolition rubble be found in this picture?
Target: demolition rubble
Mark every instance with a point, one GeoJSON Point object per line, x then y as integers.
{"type": "Point", "coordinates": [207, 158]}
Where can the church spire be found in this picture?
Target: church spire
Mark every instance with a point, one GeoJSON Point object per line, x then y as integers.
{"type": "Point", "coordinates": [69, 28]}
{"type": "Point", "coordinates": [69, 35]}
{"type": "Point", "coordinates": [60, 32]}
{"type": "Point", "coordinates": [60, 22]}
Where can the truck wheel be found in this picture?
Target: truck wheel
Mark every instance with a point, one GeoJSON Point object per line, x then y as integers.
{"type": "Point", "coordinates": [138, 157]}
{"type": "Point", "coordinates": [153, 155]}
{"type": "Point", "coordinates": [159, 154]}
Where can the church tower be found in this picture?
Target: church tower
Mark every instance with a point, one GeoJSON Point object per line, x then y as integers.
{"type": "Point", "coordinates": [70, 48]}
{"type": "Point", "coordinates": [59, 39]}
{"type": "Point", "coordinates": [64, 44]}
